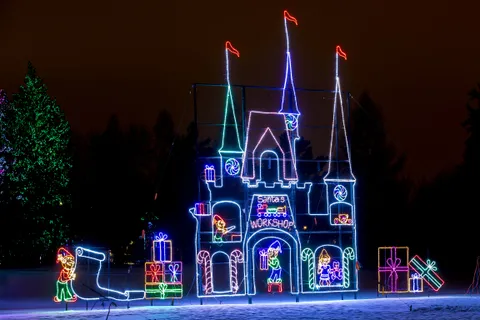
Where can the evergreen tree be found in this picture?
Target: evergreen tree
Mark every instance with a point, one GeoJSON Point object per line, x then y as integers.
{"type": "Point", "coordinates": [35, 144]}
{"type": "Point", "coordinates": [3, 112]}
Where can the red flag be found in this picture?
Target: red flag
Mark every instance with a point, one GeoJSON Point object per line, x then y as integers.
{"type": "Point", "coordinates": [289, 17]}
{"type": "Point", "coordinates": [341, 53]}
{"type": "Point", "coordinates": [229, 47]}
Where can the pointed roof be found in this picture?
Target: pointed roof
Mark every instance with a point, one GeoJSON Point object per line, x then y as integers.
{"type": "Point", "coordinates": [230, 134]}
{"type": "Point", "coordinates": [288, 83]}
{"type": "Point", "coordinates": [339, 169]}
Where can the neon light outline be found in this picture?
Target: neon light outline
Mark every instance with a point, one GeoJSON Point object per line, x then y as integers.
{"type": "Point", "coordinates": [66, 277]}
{"type": "Point", "coordinates": [309, 257]}
{"type": "Point", "coordinates": [348, 254]}
{"type": "Point", "coordinates": [416, 283]}
{"type": "Point", "coordinates": [236, 257]}
{"type": "Point", "coordinates": [240, 227]}
{"type": "Point", "coordinates": [203, 258]}
{"type": "Point", "coordinates": [393, 266]}
{"type": "Point", "coordinates": [291, 267]}
{"type": "Point", "coordinates": [284, 184]}
{"type": "Point", "coordinates": [427, 272]}
{"type": "Point", "coordinates": [79, 252]}
{"type": "Point", "coordinates": [162, 240]}
{"type": "Point", "coordinates": [232, 166]}
{"type": "Point", "coordinates": [322, 247]}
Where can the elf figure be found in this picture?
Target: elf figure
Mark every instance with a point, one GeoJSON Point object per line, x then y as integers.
{"type": "Point", "coordinates": [66, 276]}
{"type": "Point", "coordinates": [220, 228]}
{"type": "Point", "coordinates": [324, 269]}
{"type": "Point", "coordinates": [274, 263]}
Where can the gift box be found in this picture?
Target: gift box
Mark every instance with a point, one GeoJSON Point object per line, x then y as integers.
{"type": "Point", "coordinates": [154, 272]}
{"type": "Point", "coordinates": [393, 270]}
{"type": "Point", "coordinates": [173, 272]}
{"type": "Point", "coordinates": [426, 270]}
{"type": "Point", "coordinates": [416, 283]}
{"type": "Point", "coordinates": [162, 249]}
{"type": "Point", "coordinates": [263, 259]}
{"type": "Point", "coordinates": [202, 208]}
{"type": "Point", "coordinates": [163, 291]}
{"type": "Point", "coordinates": [209, 173]}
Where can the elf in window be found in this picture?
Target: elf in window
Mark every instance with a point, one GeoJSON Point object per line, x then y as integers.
{"type": "Point", "coordinates": [66, 276]}
{"type": "Point", "coordinates": [220, 228]}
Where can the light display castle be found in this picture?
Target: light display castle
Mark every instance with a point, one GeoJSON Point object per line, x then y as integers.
{"type": "Point", "coordinates": [258, 229]}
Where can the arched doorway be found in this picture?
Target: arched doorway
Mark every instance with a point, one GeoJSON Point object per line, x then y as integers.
{"type": "Point", "coordinates": [272, 262]}
{"type": "Point", "coordinates": [269, 171]}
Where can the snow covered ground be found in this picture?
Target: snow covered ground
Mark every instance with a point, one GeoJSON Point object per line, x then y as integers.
{"type": "Point", "coordinates": [393, 307]}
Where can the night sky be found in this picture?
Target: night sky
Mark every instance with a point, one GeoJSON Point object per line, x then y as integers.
{"type": "Point", "coordinates": [418, 59]}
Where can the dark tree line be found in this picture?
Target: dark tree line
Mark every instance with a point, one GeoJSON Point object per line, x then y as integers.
{"type": "Point", "coordinates": [111, 189]}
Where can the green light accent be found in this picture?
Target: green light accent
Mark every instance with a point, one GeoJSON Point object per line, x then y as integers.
{"type": "Point", "coordinates": [308, 256]}
{"type": "Point", "coordinates": [163, 291]}
{"type": "Point", "coordinates": [348, 254]}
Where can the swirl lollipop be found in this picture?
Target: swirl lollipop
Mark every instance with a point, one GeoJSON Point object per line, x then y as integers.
{"type": "Point", "coordinates": [340, 193]}
{"type": "Point", "coordinates": [232, 166]}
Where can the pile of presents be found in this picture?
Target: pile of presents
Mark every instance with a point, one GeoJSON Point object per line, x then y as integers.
{"type": "Point", "coordinates": [163, 276]}
{"type": "Point", "coordinates": [397, 273]}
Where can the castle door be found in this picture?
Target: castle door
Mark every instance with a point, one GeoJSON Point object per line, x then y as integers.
{"type": "Point", "coordinates": [272, 262]}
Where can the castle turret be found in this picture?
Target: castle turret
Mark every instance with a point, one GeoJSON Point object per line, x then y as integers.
{"type": "Point", "coordinates": [339, 180]}
{"type": "Point", "coordinates": [230, 150]}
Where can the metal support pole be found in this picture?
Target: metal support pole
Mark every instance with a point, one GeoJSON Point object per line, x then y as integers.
{"type": "Point", "coordinates": [201, 301]}
{"type": "Point", "coordinates": [249, 300]}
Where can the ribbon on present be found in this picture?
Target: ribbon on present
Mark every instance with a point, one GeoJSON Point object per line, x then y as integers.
{"type": "Point", "coordinates": [162, 287]}
{"type": "Point", "coordinates": [427, 271]}
{"type": "Point", "coordinates": [161, 250]}
{"type": "Point", "coordinates": [393, 266]}
{"type": "Point", "coordinates": [154, 272]}
{"type": "Point", "coordinates": [161, 236]}
{"type": "Point", "coordinates": [431, 265]}
{"type": "Point", "coordinates": [174, 271]}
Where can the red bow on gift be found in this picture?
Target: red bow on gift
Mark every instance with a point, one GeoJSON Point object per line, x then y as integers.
{"type": "Point", "coordinates": [155, 270]}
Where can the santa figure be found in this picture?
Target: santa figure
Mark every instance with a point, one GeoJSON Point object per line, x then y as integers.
{"type": "Point", "coordinates": [67, 260]}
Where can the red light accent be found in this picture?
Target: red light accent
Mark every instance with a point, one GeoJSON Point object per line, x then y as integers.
{"type": "Point", "coordinates": [229, 47]}
{"type": "Point", "coordinates": [341, 53]}
{"type": "Point", "coordinates": [289, 17]}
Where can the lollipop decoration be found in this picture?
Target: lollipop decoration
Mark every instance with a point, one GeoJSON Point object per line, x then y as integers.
{"type": "Point", "coordinates": [232, 167]}
{"type": "Point", "coordinates": [292, 121]}
{"type": "Point", "coordinates": [340, 193]}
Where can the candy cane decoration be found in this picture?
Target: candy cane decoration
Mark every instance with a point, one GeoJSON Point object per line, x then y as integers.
{"type": "Point", "coordinates": [203, 258]}
{"type": "Point", "coordinates": [236, 257]}
{"type": "Point", "coordinates": [307, 255]}
{"type": "Point", "coordinates": [348, 254]}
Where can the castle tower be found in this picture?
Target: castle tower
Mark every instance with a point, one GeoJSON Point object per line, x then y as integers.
{"type": "Point", "coordinates": [231, 148]}
{"type": "Point", "coordinates": [339, 180]}
{"type": "Point", "coordinates": [264, 144]}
